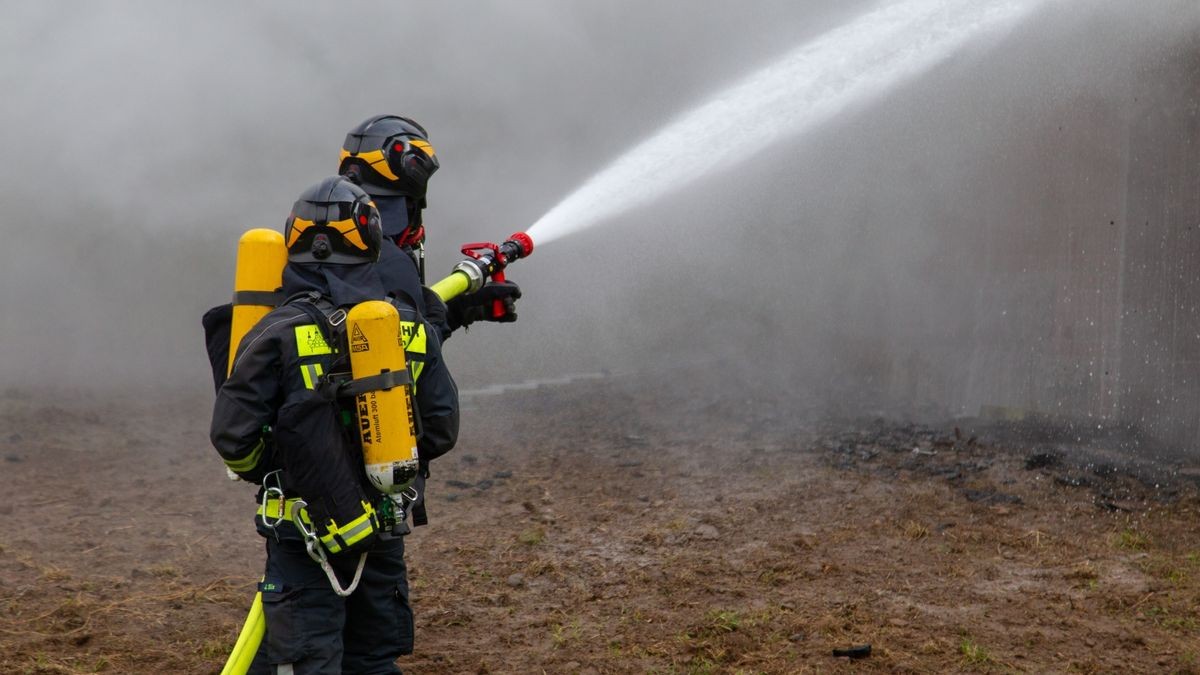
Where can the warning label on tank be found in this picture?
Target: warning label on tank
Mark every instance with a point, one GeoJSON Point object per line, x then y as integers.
{"type": "Point", "coordinates": [358, 341]}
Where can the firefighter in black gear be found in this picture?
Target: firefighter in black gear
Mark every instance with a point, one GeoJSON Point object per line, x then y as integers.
{"type": "Point", "coordinates": [391, 158]}
{"type": "Point", "coordinates": [276, 424]}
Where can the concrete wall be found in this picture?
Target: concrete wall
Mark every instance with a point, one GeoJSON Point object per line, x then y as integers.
{"type": "Point", "coordinates": [1088, 295]}
{"type": "Point", "coordinates": [1159, 325]}
{"type": "Point", "coordinates": [1069, 267]}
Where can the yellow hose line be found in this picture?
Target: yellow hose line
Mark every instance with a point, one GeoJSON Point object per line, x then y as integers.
{"type": "Point", "coordinates": [248, 640]}
{"type": "Point", "coordinates": [452, 286]}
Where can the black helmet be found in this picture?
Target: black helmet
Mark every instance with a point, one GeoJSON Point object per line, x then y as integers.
{"type": "Point", "coordinates": [333, 222]}
{"type": "Point", "coordinates": [389, 156]}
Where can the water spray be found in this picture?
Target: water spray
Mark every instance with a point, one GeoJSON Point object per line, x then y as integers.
{"type": "Point", "coordinates": [839, 71]}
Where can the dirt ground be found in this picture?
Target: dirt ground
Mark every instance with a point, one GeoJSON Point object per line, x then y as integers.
{"type": "Point", "coordinates": [627, 526]}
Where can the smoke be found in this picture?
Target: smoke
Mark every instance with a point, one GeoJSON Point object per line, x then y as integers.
{"type": "Point", "coordinates": [144, 138]}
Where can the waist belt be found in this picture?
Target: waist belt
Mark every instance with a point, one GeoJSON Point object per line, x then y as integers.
{"type": "Point", "coordinates": [273, 510]}
{"type": "Point", "coordinates": [277, 510]}
{"type": "Point", "coordinates": [335, 538]}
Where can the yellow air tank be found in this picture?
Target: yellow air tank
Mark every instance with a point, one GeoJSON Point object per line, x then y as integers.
{"type": "Point", "coordinates": [385, 413]}
{"type": "Point", "coordinates": [260, 259]}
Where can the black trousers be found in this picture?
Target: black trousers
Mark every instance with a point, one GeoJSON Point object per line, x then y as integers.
{"type": "Point", "coordinates": [313, 631]}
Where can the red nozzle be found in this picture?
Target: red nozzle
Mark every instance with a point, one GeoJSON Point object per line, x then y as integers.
{"type": "Point", "coordinates": [524, 241]}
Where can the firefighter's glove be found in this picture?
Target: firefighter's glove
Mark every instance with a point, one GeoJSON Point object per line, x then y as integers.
{"type": "Point", "coordinates": [479, 306]}
{"type": "Point", "coordinates": [436, 312]}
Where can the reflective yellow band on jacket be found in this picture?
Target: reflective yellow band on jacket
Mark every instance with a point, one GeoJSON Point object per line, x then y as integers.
{"type": "Point", "coordinates": [312, 373]}
{"type": "Point", "coordinates": [337, 539]}
{"type": "Point", "coordinates": [249, 461]}
{"type": "Point", "coordinates": [412, 337]}
{"type": "Point", "coordinates": [310, 342]}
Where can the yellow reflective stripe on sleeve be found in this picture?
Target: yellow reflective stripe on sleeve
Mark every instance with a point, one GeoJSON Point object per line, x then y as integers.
{"type": "Point", "coordinates": [310, 342]}
{"type": "Point", "coordinates": [312, 373]}
{"type": "Point", "coordinates": [249, 461]}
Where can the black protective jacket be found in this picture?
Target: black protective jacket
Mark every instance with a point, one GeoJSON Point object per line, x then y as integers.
{"type": "Point", "coordinates": [398, 269]}
{"type": "Point", "coordinates": [279, 365]}
{"type": "Point", "coordinates": [400, 275]}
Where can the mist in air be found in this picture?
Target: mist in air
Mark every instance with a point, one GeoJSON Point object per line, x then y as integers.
{"type": "Point", "coordinates": [930, 202]}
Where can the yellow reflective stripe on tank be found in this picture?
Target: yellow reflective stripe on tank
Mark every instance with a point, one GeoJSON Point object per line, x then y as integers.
{"type": "Point", "coordinates": [310, 342]}
{"type": "Point", "coordinates": [357, 530]}
{"type": "Point", "coordinates": [312, 373]}
{"type": "Point", "coordinates": [249, 461]}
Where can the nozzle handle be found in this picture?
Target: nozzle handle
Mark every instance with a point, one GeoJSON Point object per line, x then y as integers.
{"type": "Point", "coordinates": [498, 309]}
{"type": "Point", "coordinates": [518, 245]}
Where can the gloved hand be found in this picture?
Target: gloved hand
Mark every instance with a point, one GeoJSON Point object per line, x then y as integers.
{"type": "Point", "coordinates": [467, 309]}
